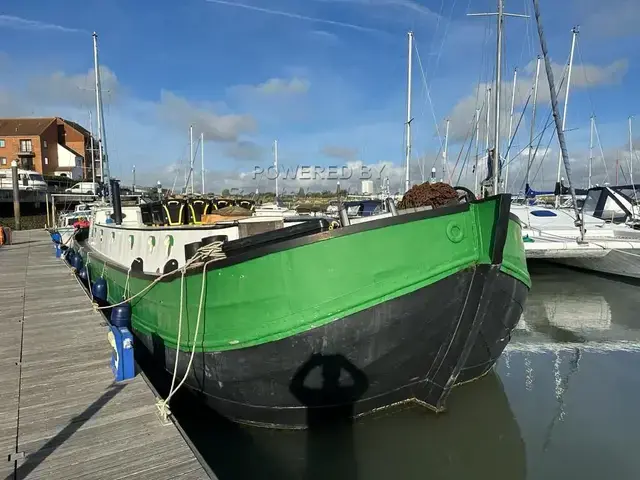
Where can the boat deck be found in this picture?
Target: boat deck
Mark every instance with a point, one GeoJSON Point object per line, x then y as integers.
{"type": "Point", "coordinates": [62, 416]}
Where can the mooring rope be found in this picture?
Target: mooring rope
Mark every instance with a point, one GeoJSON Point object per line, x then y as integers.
{"type": "Point", "coordinates": [204, 256]}
{"type": "Point", "coordinates": [163, 404]}
{"type": "Point", "coordinates": [213, 252]}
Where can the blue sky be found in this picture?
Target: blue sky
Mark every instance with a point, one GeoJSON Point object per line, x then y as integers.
{"type": "Point", "coordinates": [327, 78]}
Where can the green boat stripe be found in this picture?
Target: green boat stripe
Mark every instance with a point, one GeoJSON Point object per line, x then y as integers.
{"type": "Point", "coordinates": [290, 291]}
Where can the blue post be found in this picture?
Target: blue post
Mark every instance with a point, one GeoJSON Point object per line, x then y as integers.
{"type": "Point", "coordinates": [122, 362]}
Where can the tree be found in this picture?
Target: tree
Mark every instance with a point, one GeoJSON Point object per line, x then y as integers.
{"type": "Point", "coordinates": [301, 192]}
{"type": "Point", "coordinates": [225, 192]}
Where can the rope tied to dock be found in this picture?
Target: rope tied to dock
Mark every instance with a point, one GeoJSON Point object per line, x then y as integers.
{"type": "Point", "coordinates": [163, 405]}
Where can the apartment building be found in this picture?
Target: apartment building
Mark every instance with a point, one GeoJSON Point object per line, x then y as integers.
{"type": "Point", "coordinates": [51, 146]}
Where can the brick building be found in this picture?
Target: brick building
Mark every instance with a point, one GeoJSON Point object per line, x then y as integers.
{"type": "Point", "coordinates": [52, 146]}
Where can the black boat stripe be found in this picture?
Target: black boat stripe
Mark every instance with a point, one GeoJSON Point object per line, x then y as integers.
{"type": "Point", "coordinates": [500, 228]}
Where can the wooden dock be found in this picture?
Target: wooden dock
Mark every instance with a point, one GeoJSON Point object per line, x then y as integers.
{"type": "Point", "coordinates": [61, 414]}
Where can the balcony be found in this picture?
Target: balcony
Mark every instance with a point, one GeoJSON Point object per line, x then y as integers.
{"type": "Point", "coordinates": [26, 153]}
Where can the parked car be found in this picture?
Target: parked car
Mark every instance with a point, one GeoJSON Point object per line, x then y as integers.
{"type": "Point", "coordinates": [27, 180]}
{"type": "Point", "coordinates": [86, 188]}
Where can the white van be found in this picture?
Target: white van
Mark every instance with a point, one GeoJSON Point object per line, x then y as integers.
{"type": "Point", "coordinates": [86, 188]}
{"type": "Point", "coordinates": [27, 180]}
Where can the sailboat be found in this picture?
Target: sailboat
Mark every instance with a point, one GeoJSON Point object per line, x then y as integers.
{"type": "Point", "coordinates": [600, 234]}
{"type": "Point", "coordinates": [267, 322]}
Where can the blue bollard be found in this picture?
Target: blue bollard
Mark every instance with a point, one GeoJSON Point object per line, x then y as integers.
{"type": "Point", "coordinates": [99, 289]}
{"type": "Point", "coordinates": [121, 315]}
{"type": "Point", "coordinates": [122, 360]}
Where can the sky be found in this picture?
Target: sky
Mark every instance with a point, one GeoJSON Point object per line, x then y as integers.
{"type": "Point", "coordinates": [327, 79]}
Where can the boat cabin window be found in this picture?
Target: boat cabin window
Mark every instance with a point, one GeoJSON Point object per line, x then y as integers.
{"type": "Point", "coordinates": [543, 213]}
{"type": "Point", "coordinates": [591, 203]}
{"type": "Point", "coordinates": [601, 204]}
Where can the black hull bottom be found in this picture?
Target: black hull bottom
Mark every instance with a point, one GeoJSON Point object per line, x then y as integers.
{"type": "Point", "coordinates": [415, 348]}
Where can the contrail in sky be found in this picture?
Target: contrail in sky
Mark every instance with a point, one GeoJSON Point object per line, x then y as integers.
{"type": "Point", "coordinates": [294, 15]}
{"type": "Point", "coordinates": [18, 22]}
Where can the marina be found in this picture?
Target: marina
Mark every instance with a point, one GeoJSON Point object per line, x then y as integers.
{"type": "Point", "coordinates": [62, 415]}
{"type": "Point", "coordinates": [575, 350]}
{"type": "Point", "coordinates": [193, 322]}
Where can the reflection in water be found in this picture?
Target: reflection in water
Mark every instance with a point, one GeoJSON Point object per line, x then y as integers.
{"type": "Point", "coordinates": [478, 433]}
{"type": "Point", "coordinates": [557, 408]}
{"type": "Point", "coordinates": [571, 307]}
{"type": "Point", "coordinates": [570, 373]}
{"type": "Point", "coordinates": [329, 415]}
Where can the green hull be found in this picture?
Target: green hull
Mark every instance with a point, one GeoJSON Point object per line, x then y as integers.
{"type": "Point", "coordinates": [331, 276]}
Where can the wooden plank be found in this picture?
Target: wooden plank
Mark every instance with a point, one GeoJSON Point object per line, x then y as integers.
{"type": "Point", "coordinates": [58, 401]}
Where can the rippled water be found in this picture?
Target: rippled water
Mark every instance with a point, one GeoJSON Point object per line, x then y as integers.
{"type": "Point", "coordinates": [564, 403]}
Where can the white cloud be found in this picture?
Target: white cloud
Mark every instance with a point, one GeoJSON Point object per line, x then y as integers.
{"type": "Point", "coordinates": [342, 153]}
{"type": "Point", "coordinates": [583, 76]}
{"type": "Point", "coordinates": [77, 90]}
{"type": "Point", "coordinates": [275, 86]}
{"type": "Point", "coordinates": [245, 150]}
{"type": "Point", "coordinates": [325, 36]}
{"type": "Point", "coordinates": [180, 113]}
{"type": "Point", "coordinates": [10, 21]}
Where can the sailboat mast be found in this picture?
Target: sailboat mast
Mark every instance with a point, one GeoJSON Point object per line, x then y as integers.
{"type": "Point", "coordinates": [202, 159]}
{"type": "Point", "coordinates": [556, 117]}
{"type": "Point", "coordinates": [631, 151]}
{"type": "Point", "coordinates": [191, 157]}
{"type": "Point", "coordinates": [408, 124]}
{"type": "Point", "coordinates": [475, 185]}
{"type": "Point", "coordinates": [591, 149]}
{"type": "Point", "coordinates": [574, 36]}
{"type": "Point", "coordinates": [496, 133]}
{"type": "Point", "coordinates": [533, 119]}
{"type": "Point", "coordinates": [102, 139]}
{"type": "Point", "coordinates": [488, 125]}
{"type": "Point", "coordinates": [275, 163]}
{"type": "Point", "coordinates": [93, 159]}
{"type": "Point", "coordinates": [445, 153]}
{"type": "Point", "coordinates": [513, 105]}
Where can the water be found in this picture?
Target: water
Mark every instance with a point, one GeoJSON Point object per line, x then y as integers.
{"type": "Point", "coordinates": [563, 403]}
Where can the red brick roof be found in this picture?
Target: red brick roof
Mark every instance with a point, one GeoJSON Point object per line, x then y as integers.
{"type": "Point", "coordinates": [13, 127]}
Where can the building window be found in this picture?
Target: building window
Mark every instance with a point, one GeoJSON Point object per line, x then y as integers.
{"type": "Point", "coordinates": [3, 160]}
{"type": "Point", "coordinates": [44, 142]}
{"type": "Point", "coordinates": [46, 160]}
{"type": "Point", "coordinates": [25, 146]}
{"type": "Point", "coordinates": [1, 143]}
